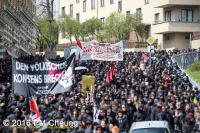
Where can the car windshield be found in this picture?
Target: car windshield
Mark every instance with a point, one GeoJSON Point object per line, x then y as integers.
{"type": "Point", "coordinates": [150, 130]}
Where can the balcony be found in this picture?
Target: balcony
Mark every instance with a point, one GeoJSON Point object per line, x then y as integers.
{"type": "Point", "coordinates": [176, 25]}
{"type": "Point", "coordinates": [170, 3]}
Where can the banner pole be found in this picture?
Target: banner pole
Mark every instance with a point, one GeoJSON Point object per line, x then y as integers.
{"type": "Point", "coordinates": [94, 104]}
{"type": "Point", "coordinates": [94, 108]}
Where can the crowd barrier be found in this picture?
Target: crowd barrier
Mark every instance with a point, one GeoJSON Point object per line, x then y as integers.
{"type": "Point", "coordinates": [184, 60]}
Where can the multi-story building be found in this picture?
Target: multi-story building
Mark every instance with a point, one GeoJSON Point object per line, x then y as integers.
{"type": "Point", "coordinates": [171, 22]}
{"type": "Point", "coordinates": [17, 27]}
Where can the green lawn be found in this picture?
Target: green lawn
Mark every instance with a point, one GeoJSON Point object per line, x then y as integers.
{"type": "Point", "coordinates": [194, 74]}
{"type": "Point", "coordinates": [194, 71]}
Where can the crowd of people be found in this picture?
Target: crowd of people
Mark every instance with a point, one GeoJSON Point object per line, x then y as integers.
{"type": "Point", "coordinates": [140, 91]}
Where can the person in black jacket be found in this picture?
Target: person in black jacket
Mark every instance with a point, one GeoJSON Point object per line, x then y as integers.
{"type": "Point", "coordinates": [188, 125]}
{"type": "Point", "coordinates": [139, 115]}
{"type": "Point", "coordinates": [122, 122]}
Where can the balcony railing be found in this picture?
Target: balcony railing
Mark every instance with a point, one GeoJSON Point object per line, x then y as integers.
{"type": "Point", "coordinates": [170, 3]}
{"type": "Point", "coordinates": [177, 20]}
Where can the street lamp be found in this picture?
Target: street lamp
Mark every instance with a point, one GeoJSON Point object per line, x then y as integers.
{"type": "Point", "coordinates": [50, 15]}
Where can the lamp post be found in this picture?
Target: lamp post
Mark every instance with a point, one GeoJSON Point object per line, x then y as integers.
{"type": "Point", "coordinates": [50, 15]}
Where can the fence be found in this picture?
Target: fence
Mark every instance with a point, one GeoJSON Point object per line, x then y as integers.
{"type": "Point", "coordinates": [183, 60]}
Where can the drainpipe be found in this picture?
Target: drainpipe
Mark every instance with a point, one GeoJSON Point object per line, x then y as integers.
{"type": "Point", "coordinates": [190, 45]}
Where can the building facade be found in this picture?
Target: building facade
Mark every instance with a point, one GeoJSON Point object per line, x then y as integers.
{"type": "Point", "coordinates": [17, 28]}
{"type": "Point", "coordinates": [171, 22]}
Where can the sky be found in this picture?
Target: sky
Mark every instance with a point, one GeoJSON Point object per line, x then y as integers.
{"type": "Point", "coordinates": [56, 7]}
{"type": "Point", "coordinates": [56, 12]}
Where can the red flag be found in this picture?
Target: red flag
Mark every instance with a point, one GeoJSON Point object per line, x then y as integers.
{"type": "Point", "coordinates": [108, 77]}
{"type": "Point", "coordinates": [79, 44]}
{"type": "Point", "coordinates": [145, 57]}
{"type": "Point", "coordinates": [111, 75]}
{"type": "Point", "coordinates": [34, 108]}
{"type": "Point", "coordinates": [112, 72]}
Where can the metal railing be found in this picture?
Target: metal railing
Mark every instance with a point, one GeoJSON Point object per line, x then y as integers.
{"type": "Point", "coordinates": [177, 20]}
{"type": "Point", "coordinates": [186, 59]}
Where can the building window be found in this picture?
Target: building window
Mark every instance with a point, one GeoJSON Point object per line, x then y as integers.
{"type": "Point", "coordinates": [77, 1]}
{"type": "Point", "coordinates": [111, 1]}
{"type": "Point", "coordinates": [102, 4]}
{"type": "Point", "coordinates": [156, 17]}
{"type": "Point", "coordinates": [128, 13]}
{"type": "Point", "coordinates": [78, 17]}
{"type": "Point", "coordinates": [167, 16]}
{"type": "Point", "coordinates": [187, 15]}
{"type": "Point", "coordinates": [63, 11]}
{"type": "Point", "coordinates": [84, 6]}
{"type": "Point", "coordinates": [93, 3]}
{"type": "Point", "coordinates": [103, 20]}
{"type": "Point", "coordinates": [146, 2]}
{"type": "Point", "coordinates": [139, 13]}
{"type": "Point", "coordinates": [119, 6]}
{"type": "Point", "coordinates": [71, 10]}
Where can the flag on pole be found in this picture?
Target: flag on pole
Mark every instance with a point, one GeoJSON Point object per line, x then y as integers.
{"type": "Point", "coordinates": [65, 81]}
{"type": "Point", "coordinates": [145, 57]}
{"type": "Point", "coordinates": [111, 75]}
{"type": "Point", "coordinates": [78, 43]}
{"type": "Point", "coordinates": [32, 106]}
{"type": "Point", "coordinates": [108, 77]}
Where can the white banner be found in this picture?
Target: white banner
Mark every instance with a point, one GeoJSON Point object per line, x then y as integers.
{"type": "Point", "coordinates": [108, 52]}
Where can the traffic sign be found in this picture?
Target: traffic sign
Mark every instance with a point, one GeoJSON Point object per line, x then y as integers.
{"type": "Point", "coordinates": [150, 40]}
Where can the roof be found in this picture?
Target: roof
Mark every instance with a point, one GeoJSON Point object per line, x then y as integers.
{"type": "Point", "coordinates": [150, 124]}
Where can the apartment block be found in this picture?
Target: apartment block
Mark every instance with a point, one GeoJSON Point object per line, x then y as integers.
{"type": "Point", "coordinates": [171, 22]}
{"type": "Point", "coordinates": [17, 27]}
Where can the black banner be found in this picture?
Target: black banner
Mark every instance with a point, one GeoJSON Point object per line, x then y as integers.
{"type": "Point", "coordinates": [42, 76]}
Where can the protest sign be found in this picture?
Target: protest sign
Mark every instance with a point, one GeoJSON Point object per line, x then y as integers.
{"type": "Point", "coordinates": [88, 83]}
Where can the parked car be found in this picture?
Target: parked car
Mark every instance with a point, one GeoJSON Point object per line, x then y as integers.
{"type": "Point", "coordinates": [150, 127]}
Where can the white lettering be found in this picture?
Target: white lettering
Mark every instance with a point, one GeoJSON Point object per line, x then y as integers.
{"type": "Point", "coordinates": [21, 66]}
